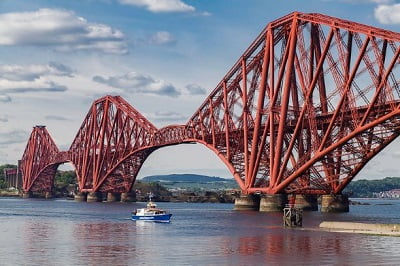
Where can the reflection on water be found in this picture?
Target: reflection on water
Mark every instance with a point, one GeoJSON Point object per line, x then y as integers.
{"type": "Point", "coordinates": [306, 248]}
{"type": "Point", "coordinates": [107, 241]}
{"type": "Point", "coordinates": [36, 232]}
{"type": "Point", "coordinates": [38, 237]}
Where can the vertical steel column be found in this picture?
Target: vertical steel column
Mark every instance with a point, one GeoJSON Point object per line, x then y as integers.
{"type": "Point", "coordinates": [212, 122]}
{"type": "Point", "coordinates": [285, 101]}
{"type": "Point", "coordinates": [245, 113]}
{"type": "Point", "coordinates": [226, 119]}
{"type": "Point", "coordinates": [260, 107]}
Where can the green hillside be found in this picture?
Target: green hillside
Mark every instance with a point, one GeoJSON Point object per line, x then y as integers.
{"type": "Point", "coordinates": [192, 182]}
{"type": "Point", "coordinates": [366, 188]}
{"type": "Point", "coordinates": [183, 178]}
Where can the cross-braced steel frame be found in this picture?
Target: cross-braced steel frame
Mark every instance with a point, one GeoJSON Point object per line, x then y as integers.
{"type": "Point", "coordinates": [306, 106]}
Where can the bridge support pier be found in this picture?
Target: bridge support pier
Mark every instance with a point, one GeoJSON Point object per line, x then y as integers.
{"type": "Point", "coordinates": [335, 203]}
{"type": "Point", "coordinates": [113, 197]}
{"type": "Point", "coordinates": [48, 195]}
{"type": "Point", "coordinates": [248, 202]}
{"type": "Point", "coordinates": [306, 202]}
{"type": "Point", "coordinates": [27, 195]}
{"type": "Point", "coordinates": [128, 197]}
{"type": "Point", "coordinates": [94, 197]}
{"type": "Point", "coordinates": [273, 202]}
{"type": "Point", "coordinates": [80, 197]}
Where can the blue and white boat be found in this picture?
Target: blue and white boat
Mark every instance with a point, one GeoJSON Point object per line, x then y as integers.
{"type": "Point", "coordinates": [151, 213]}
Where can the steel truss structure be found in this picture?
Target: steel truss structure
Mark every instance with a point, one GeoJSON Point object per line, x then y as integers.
{"type": "Point", "coordinates": [306, 106]}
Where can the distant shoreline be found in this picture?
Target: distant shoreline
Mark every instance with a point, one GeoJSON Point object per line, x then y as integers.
{"type": "Point", "coordinates": [205, 197]}
{"type": "Point", "coordinates": [9, 194]}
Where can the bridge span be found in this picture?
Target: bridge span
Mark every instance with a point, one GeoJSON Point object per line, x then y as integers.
{"type": "Point", "coordinates": [301, 112]}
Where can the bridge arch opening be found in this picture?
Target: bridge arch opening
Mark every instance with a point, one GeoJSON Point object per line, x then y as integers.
{"type": "Point", "coordinates": [65, 180]}
{"type": "Point", "coordinates": [184, 159]}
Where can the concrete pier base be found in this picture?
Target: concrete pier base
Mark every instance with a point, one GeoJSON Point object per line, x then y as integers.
{"type": "Point", "coordinates": [335, 203]}
{"type": "Point", "coordinates": [273, 202]}
{"type": "Point", "coordinates": [94, 197]}
{"type": "Point", "coordinates": [247, 203]}
{"type": "Point", "coordinates": [80, 197]}
{"type": "Point", "coordinates": [113, 197]}
{"type": "Point", "coordinates": [27, 195]}
{"type": "Point", "coordinates": [306, 202]}
{"type": "Point", "coordinates": [48, 195]}
{"type": "Point", "coordinates": [128, 197]}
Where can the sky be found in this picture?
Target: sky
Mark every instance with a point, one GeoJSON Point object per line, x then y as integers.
{"type": "Point", "coordinates": [163, 56]}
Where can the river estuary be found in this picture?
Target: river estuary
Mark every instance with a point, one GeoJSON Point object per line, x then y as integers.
{"type": "Point", "coordinates": [63, 232]}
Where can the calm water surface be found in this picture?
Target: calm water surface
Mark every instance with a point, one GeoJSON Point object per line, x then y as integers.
{"type": "Point", "coordinates": [61, 232]}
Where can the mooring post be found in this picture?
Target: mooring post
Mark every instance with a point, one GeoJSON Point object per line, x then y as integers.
{"type": "Point", "coordinates": [292, 215]}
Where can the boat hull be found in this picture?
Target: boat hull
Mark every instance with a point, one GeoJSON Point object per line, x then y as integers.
{"type": "Point", "coordinates": [152, 218]}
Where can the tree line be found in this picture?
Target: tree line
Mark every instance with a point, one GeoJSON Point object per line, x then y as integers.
{"type": "Point", "coordinates": [366, 188]}
{"type": "Point", "coordinates": [358, 189]}
{"type": "Point", "coordinates": [2, 177]}
{"type": "Point", "coordinates": [61, 180]}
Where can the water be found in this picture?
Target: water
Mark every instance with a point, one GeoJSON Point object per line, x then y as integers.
{"type": "Point", "coordinates": [61, 232]}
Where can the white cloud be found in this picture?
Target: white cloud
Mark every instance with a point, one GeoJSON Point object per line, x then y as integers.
{"type": "Point", "coordinates": [388, 14]}
{"type": "Point", "coordinates": [61, 29]}
{"type": "Point", "coordinates": [205, 14]}
{"type": "Point", "coordinates": [133, 82]}
{"type": "Point", "coordinates": [3, 118]}
{"type": "Point", "coordinates": [165, 116]}
{"type": "Point", "coordinates": [381, 1]}
{"type": "Point", "coordinates": [32, 72]}
{"type": "Point", "coordinates": [194, 89]}
{"type": "Point", "coordinates": [161, 37]}
{"type": "Point", "coordinates": [31, 78]}
{"type": "Point", "coordinates": [13, 136]}
{"type": "Point", "coordinates": [4, 98]}
{"type": "Point", "coordinates": [395, 154]}
{"type": "Point", "coordinates": [7, 86]}
{"type": "Point", "coordinates": [158, 6]}
{"type": "Point", "coordinates": [56, 118]}
{"type": "Point", "coordinates": [367, 1]}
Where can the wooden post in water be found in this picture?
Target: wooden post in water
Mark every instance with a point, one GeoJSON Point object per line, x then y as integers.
{"type": "Point", "coordinates": [292, 215]}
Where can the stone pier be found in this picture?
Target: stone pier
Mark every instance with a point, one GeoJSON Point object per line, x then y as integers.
{"type": "Point", "coordinates": [128, 197]}
{"type": "Point", "coordinates": [94, 197]}
{"type": "Point", "coordinates": [272, 202]}
{"type": "Point", "coordinates": [80, 197]}
{"type": "Point", "coordinates": [248, 202]}
{"type": "Point", "coordinates": [27, 195]}
{"type": "Point", "coordinates": [335, 203]}
{"type": "Point", "coordinates": [306, 202]}
{"type": "Point", "coordinates": [113, 197]}
{"type": "Point", "coordinates": [48, 195]}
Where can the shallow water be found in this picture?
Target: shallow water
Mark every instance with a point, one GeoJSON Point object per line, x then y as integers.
{"type": "Point", "coordinates": [61, 232]}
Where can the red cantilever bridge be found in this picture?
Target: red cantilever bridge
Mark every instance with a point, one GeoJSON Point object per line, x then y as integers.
{"type": "Point", "coordinates": [305, 107]}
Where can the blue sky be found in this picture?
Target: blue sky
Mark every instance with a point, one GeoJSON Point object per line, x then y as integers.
{"type": "Point", "coordinates": [164, 57]}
